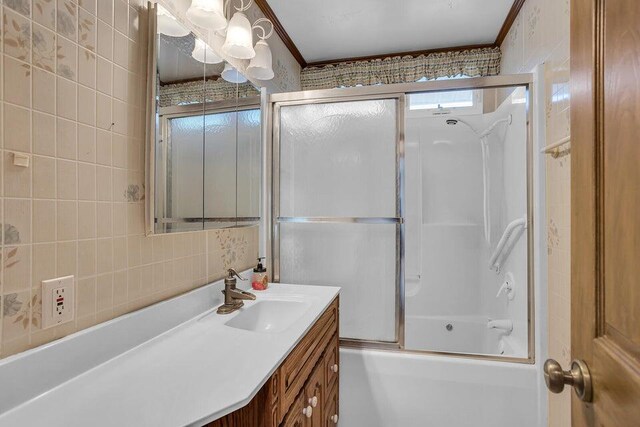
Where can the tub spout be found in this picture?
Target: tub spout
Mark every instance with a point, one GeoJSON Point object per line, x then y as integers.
{"type": "Point", "coordinates": [505, 325]}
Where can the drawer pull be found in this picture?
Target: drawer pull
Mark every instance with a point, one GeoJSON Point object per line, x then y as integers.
{"type": "Point", "coordinates": [313, 401]}
{"type": "Point", "coordinates": [334, 418]}
{"type": "Point", "coordinates": [308, 411]}
{"type": "Point", "coordinates": [334, 368]}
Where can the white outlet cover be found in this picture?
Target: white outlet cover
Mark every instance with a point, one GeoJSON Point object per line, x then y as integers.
{"type": "Point", "coordinates": [58, 301]}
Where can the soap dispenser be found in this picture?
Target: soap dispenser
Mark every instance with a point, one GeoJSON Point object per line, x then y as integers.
{"type": "Point", "coordinates": [259, 279]}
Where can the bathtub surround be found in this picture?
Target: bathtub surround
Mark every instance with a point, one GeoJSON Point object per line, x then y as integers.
{"type": "Point", "coordinates": [73, 87]}
{"type": "Point", "coordinates": [540, 34]}
{"type": "Point", "coordinates": [462, 190]}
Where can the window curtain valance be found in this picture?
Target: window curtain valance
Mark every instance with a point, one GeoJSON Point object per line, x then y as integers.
{"type": "Point", "coordinates": [407, 69]}
{"type": "Point", "coordinates": [192, 92]}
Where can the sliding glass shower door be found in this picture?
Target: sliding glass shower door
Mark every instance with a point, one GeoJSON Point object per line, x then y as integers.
{"type": "Point", "coordinates": [338, 169]}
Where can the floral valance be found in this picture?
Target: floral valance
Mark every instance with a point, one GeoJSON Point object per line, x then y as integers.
{"type": "Point", "coordinates": [407, 69]}
{"type": "Point", "coordinates": [211, 90]}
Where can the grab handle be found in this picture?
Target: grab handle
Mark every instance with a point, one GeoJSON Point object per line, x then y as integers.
{"type": "Point", "coordinates": [502, 324]}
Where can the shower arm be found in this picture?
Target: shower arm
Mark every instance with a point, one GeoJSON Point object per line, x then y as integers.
{"type": "Point", "coordinates": [487, 132]}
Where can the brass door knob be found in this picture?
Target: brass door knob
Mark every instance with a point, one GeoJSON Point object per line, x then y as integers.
{"type": "Point", "coordinates": [578, 377]}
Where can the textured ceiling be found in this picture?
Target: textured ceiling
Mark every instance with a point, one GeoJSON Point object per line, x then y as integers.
{"type": "Point", "coordinates": [335, 29]}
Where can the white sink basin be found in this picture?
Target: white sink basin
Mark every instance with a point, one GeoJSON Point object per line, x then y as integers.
{"type": "Point", "coordinates": [269, 315]}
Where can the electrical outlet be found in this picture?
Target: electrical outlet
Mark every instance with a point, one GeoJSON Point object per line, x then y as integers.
{"type": "Point", "coordinates": [58, 301]}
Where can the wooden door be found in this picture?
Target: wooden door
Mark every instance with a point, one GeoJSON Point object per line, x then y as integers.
{"type": "Point", "coordinates": [605, 188]}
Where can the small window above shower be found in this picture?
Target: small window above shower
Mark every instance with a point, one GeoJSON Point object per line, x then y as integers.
{"type": "Point", "coordinates": [458, 102]}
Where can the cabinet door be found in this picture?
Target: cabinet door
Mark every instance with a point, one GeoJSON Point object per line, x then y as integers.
{"type": "Point", "coordinates": [331, 364]}
{"type": "Point", "coordinates": [297, 415]}
{"type": "Point", "coordinates": [315, 397]}
{"type": "Point", "coordinates": [331, 411]}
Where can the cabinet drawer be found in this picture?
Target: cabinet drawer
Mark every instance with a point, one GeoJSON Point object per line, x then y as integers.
{"type": "Point", "coordinates": [297, 367]}
{"type": "Point", "coordinates": [331, 410]}
{"type": "Point", "coordinates": [331, 362]}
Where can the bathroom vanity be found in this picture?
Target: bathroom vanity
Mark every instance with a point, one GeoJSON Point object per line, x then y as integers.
{"type": "Point", "coordinates": [274, 362]}
{"type": "Point", "coordinates": [304, 389]}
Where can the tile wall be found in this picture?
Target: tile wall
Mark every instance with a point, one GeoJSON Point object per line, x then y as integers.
{"type": "Point", "coordinates": [539, 35]}
{"type": "Point", "coordinates": [73, 99]}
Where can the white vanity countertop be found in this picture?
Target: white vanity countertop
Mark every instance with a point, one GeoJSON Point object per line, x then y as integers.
{"type": "Point", "coordinates": [194, 373]}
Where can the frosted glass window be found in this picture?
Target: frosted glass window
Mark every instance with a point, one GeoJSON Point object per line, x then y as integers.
{"type": "Point", "coordinates": [446, 102]}
{"type": "Point", "coordinates": [361, 258]}
{"type": "Point", "coordinates": [338, 159]}
{"type": "Point", "coordinates": [430, 100]}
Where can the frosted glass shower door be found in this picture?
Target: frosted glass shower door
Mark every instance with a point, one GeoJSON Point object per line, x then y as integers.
{"type": "Point", "coordinates": [338, 217]}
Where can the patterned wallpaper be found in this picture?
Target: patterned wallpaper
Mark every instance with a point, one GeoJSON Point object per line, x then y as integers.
{"type": "Point", "coordinates": [73, 98]}
{"type": "Point", "coordinates": [540, 34]}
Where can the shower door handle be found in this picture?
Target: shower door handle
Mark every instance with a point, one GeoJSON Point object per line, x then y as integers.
{"type": "Point", "coordinates": [579, 377]}
{"type": "Point", "coordinates": [340, 219]}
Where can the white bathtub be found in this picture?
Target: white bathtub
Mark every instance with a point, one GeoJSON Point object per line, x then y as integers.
{"type": "Point", "coordinates": [393, 389]}
{"type": "Point", "coordinates": [457, 334]}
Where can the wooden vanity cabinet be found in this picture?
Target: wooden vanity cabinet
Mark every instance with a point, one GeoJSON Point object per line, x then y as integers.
{"type": "Point", "coordinates": [303, 392]}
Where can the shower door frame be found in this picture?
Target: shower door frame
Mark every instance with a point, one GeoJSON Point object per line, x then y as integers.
{"type": "Point", "coordinates": [271, 133]}
{"type": "Point", "coordinates": [398, 220]}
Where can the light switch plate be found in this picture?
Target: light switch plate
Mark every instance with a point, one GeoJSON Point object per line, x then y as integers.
{"type": "Point", "coordinates": [58, 301]}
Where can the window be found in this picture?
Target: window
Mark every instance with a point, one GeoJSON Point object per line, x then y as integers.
{"type": "Point", "coordinates": [441, 100]}
{"type": "Point", "coordinates": [446, 102]}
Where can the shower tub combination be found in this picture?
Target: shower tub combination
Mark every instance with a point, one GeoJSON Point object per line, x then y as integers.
{"type": "Point", "coordinates": [416, 200]}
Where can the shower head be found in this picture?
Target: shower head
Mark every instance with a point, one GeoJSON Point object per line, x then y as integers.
{"type": "Point", "coordinates": [452, 121]}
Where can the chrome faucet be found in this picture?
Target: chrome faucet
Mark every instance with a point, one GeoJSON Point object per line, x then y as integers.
{"type": "Point", "coordinates": [233, 297]}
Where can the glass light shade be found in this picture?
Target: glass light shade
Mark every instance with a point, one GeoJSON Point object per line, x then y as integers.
{"type": "Point", "coordinates": [239, 41]}
{"type": "Point", "coordinates": [232, 75]}
{"type": "Point", "coordinates": [203, 53]}
{"type": "Point", "coordinates": [169, 25]}
{"type": "Point", "coordinates": [207, 14]}
{"type": "Point", "coordinates": [260, 66]}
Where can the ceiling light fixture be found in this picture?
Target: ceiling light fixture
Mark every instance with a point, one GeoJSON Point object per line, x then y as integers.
{"type": "Point", "coordinates": [169, 25]}
{"type": "Point", "coordinates": [208, 14]}
{"type": "Point", "coordinates": [238, 33]}
{"type": "Point", "coordinates": [203, 53]}
{"type": "Point", "coordinates": [232, 75]}
{"type": "Point", "coordinates": [239, 41]}
{"type": "Point", "coordinates": [261, 66]}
